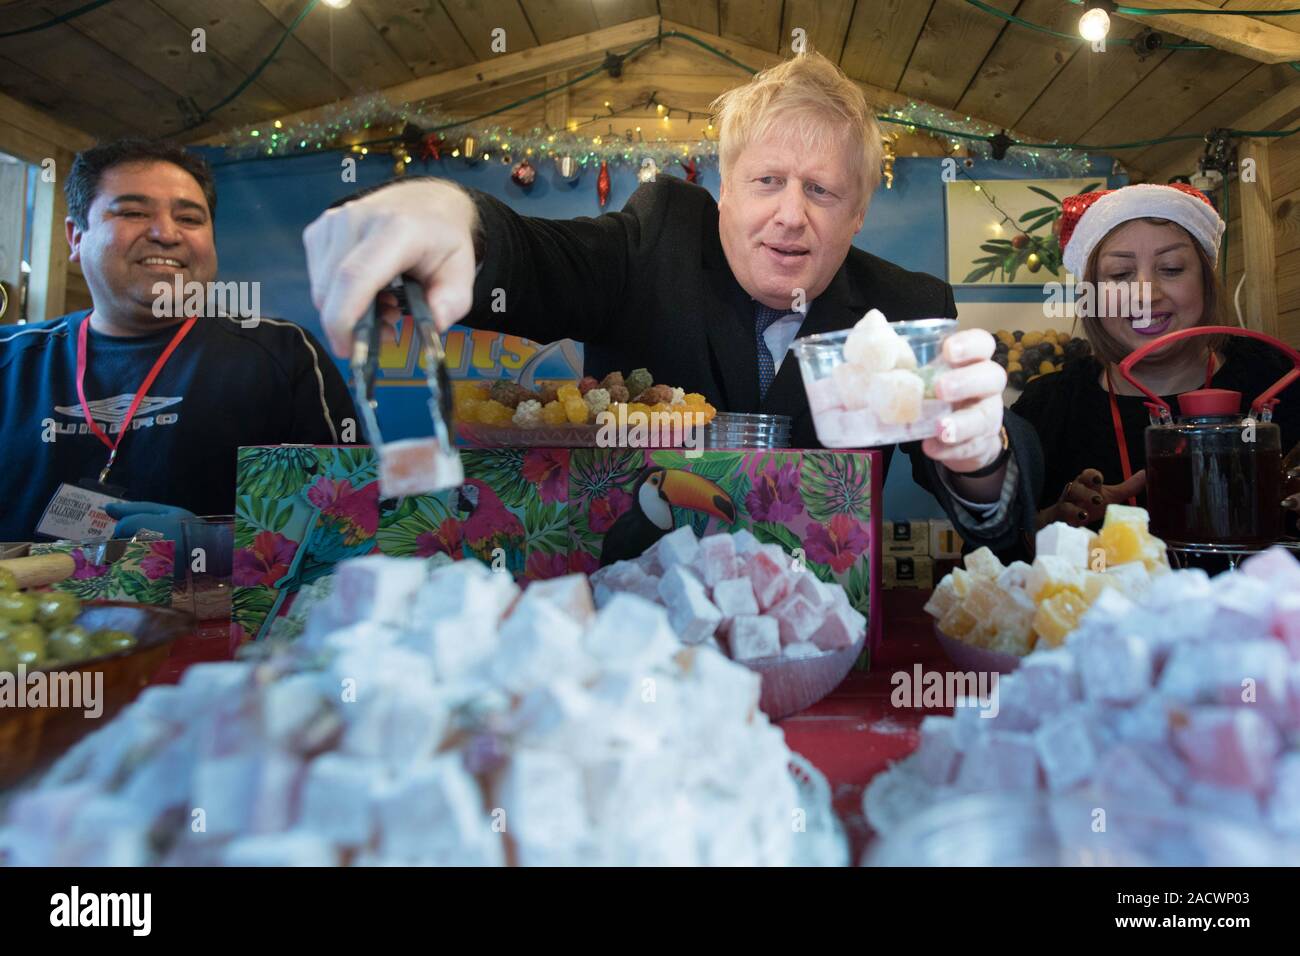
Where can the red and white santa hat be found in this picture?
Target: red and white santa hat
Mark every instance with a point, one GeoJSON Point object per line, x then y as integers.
{"type": "Point", "coordinates": [1088, 218]}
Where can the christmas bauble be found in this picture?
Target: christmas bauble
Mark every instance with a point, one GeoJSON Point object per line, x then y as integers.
{"type": "Point", "coordinates": [602, 184]}
{"type": "Point", "coordinates": [648, 170]}
{"type": "Point", "coordinates": [524, 173]}
{"type": "Point", "coordinates": [568, 168]}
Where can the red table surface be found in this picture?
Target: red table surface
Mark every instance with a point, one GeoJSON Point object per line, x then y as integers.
{"type": "Point", "coordinates": [850, 735]}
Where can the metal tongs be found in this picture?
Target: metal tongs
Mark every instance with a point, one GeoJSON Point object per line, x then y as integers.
{"type": "Point", "coordinates": [415, 465]}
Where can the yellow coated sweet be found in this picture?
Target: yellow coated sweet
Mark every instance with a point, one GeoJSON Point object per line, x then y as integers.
{"type": "Point", "coordinates": [553, 414]}
{"type": "Point", "coordinates": [466, 409]}
{"type": "Point", "coordinates": [709, 411]}
{"type": "Point", "coordinates": [1123, 542]}
{"type": "Point", "coordinates": [1058, 616]}
{"type": "Point", "coordinates": [469, 390]}
{"type": "Point", "coordinates": [575, 409]}
{"type": "Point", "coordinates": [567, 392]}
{"type": "Point", "coordinates": [694, 398]}
{"type": "Point", "coordinates": [494, 413]}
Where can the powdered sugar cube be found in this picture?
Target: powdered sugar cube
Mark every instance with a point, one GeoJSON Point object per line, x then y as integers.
{"type": "Point", "coordinates": [983, 563]}
{"type": "Point", "coordinates": [798, 619]}
{"type": "Point", "coordinates": [841, 627]}
{"type": "Point", "coordinates": [752, 637]}
{"type": "Point", "coordinates": [678, 547]}
{"type": "Point", "coordinates": [1066, 748]}
{"type": "Point", "coordinates": [1064, 541]}
{"type": "Point", "coordinates": [716, 559]}
{"type": "Point", "coordinates": [1114, 667]}
{"type": "Point", "coordinates": [1232, 746]}
{"type": "Point", "coordinates": [734, 597]}
{"type": "Point", "coordinates": [694, 617]}
{"type": "Point", "coordinates": [895, 396]}
{"type": "Point", "coordinates": [767, 575]}
{"type": "Point", "coordinates": [336, 799]}
{"type": "Point", "coordinates": [937, 756]}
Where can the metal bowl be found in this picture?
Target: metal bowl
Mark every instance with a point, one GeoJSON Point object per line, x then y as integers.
{"type": "Point", "coordinates": [34, 736]}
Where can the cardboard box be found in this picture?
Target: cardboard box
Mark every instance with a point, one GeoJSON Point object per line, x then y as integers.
{"type": "Point", "coordinates": [906, 538]}
{"type": "Point", "coordinates": [544, 512]}
{"type": "Point", "coordinates": [901, 571]}
{"type": "Point", "coordinates": [944, 540]}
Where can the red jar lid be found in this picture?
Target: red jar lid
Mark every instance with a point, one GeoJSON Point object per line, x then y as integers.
{"type": "Point", "coordinates": [1210, 401]}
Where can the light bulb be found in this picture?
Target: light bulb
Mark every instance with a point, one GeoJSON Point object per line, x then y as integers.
{"type": "Point", "coordinates": [1094, 25]}
{"type": "Point", "coordinates": [337, 4]}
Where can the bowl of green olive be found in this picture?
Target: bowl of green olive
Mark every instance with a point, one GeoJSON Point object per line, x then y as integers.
{"type": "Point", "coordinates": [67, 666]}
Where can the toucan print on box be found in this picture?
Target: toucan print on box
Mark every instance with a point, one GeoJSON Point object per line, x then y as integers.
{"type": "Point", "coordinates": [539, 513]}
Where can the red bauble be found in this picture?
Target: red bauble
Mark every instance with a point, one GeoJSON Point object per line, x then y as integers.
{"type": "Point", "coordinates": [524, 173]}
{"type": "Point", "coordinates": [692, 171]}
{"type": "Point", "coordinates": [431, 147]}
{"type": "Point", "coordinates": [602, 184]}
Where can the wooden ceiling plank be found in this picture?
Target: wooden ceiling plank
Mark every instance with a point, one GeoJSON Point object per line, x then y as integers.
{"type": "Point", "coordinates": [99, 77]}
{"type": "Point", "coordinates": [420, 32]}
{"type": "Point", "coordinates": [613, 12]}
{"type": "Point", "coordinates": [824, 22]}
{"type": "Point", "coordinates": [506, 68]}
{"type": "Point", "coordinates": [1167, 96]}
{"type": "Point", "coordinates": [244, 32]}
{"type": "Point", "coordinates": [163, 48]}
{"type": "Point", "coordinates": [49, 112]}
{"type": "Point", "coordinates": [755, 23]}
{"type": "Point", "coordinates": [554, 20]}
{"type": "Point", "coordinates": [881, 39]}
{"type": "Point", "coordinates": [1022, 63]}
{"type": "Point", "coordinates": [953, 43]}
{"type": "Point", "coordinates": [1281, 112]}
{"type": "Point", "coordinates": [476, 19]}
{"type": "Point", "coordinates": [1088, 88]}
{"type": "Point", "coordinates": [1260, 85]}
{"type": "Point", "coordinates": [345, 42]}
{"type": "Point", "coordinates": [1255, 38]}
{"type": "Point", "coordinates": [694, 13]}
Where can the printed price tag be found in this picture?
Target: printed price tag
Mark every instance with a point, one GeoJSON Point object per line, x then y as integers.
{"type": "Point", "coordinates": [77, 514]}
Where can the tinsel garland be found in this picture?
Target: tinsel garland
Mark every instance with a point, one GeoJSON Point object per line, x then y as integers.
{"type": "Point", "coordinates": [977, 141]}
{"type": "Point", "coordinates": [373, 121]}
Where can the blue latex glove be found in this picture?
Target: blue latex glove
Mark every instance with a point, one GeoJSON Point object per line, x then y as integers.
{"type": "Point", "coordinates": [135, 516]}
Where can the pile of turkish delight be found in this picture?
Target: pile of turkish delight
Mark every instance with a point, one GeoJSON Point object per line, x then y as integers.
{"type": "Point", "coordinates": [438, 717]}
{"type": "Point", "coordinates": [749, 600]}
{"type": "Point", "coordinates": [877, 395]}
{"type": "Point", "coordinates": [1014, 608]}
{"type": "Point", "coordinates": [1187, 696]}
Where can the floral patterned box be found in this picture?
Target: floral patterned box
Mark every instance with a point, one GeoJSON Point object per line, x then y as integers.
{"type": "Point", "coordinates": [142, 573]}
{"type": "Point", "coordinates": [538, 513]}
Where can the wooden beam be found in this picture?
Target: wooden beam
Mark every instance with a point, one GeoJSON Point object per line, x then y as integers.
{"type": "Point", "coordinates": [13, 200]}
{"type": "Point", "coordinates": [1257, 237]}
{"type": "Point", "coordinates": [36, 134]}
{"type": "Point", "coordinates": [49, 278]}
{"type": "Point", "coordinates": [507, 68]}
{"type": "Point", "coordinates": [1280, 111]}
{"type": "Point", "coordinates": [557, 104]}
{"type": "Point", "coordinates": [1256, 39]}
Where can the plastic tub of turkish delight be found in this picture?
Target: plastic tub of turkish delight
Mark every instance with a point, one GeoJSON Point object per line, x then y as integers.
{"type": "Point", "coordinates": [858, 407]}
{"type": "Point", "coordinates": [1038, 829]}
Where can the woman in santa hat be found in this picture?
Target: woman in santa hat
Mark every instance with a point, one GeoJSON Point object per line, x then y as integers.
{"type": "Point", "coordinates": [1090, 420]}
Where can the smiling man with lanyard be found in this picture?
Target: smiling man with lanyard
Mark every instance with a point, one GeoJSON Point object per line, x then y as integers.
{"type": "Point", "coordinates": [122, 418]}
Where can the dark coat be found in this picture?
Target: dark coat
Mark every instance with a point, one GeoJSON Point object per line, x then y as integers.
{"type": "Point", "coordinates": [649, 286]}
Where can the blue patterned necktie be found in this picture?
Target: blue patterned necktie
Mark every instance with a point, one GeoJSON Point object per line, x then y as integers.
{"type": "Point", "coordinates": [763, 318]}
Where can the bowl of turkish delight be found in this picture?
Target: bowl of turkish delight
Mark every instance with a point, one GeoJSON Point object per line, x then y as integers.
{"type": "Point", "coordinates": [989, 615]}
{"type": "Point", "coordinates": [873, 384]}
{"type": "Point", "coordinates": [752, 602]}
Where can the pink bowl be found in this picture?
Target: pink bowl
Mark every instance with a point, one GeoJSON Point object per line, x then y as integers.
{"type": "Point", "coordinates": [790, 686]}
{"type": "Point", "coordinates": [968, 657]}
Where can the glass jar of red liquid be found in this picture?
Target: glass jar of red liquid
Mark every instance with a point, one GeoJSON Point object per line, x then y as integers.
{"type": "Point", "coordinates": [1214, 475]}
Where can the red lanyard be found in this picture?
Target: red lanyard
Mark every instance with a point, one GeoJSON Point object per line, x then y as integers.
{"type": "Point", "coordinates": [1124, 463]}
{"type": "Point", "coordinates": [140, 392]}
